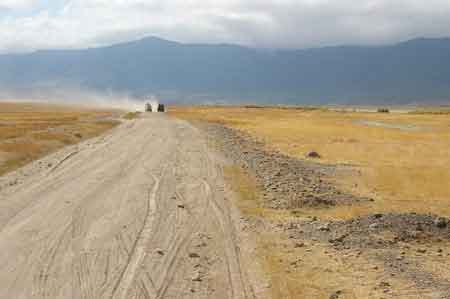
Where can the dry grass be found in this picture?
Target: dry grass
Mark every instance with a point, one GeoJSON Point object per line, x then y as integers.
{"type": "Point", "coordinates": [29, 131]}
{"type": "Point", "coordinates": [438, 111]}
{"type": "Point", "coordinates": [249, 202]}
{"type": "Point", "coordinates": [317, 270]}
{"type": "Point", "coordinates": [245, 186]}
{"type": "Point", "coordinates": [405, 170]}
{"type": "Point", "coordinates": [131, 115]}
{"type": "Point", "coordinates": [311, 271]}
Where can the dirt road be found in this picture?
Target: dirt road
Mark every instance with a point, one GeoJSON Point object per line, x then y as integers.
{"type": "Point", "coordinates": [138, 213]}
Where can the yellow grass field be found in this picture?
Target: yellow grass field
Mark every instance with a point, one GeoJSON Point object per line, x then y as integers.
{"type": "Point", "coordinates": [400, 159]}
{"type": "Point", "coordinates": [29, 130]}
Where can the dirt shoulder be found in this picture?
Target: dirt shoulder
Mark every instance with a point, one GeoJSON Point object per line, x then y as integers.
{"type": "Point", "coordinates": [304, 255]}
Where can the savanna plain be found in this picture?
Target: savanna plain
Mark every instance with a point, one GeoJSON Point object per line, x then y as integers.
{"type": "Point", "coordinates": [29, 131]}
{"type": "Point", "coordinates": [110, 204]}
{"type": "Point", "coordinates": [221, 202]}
{"type": "Point", "coordinates": [390, 241]}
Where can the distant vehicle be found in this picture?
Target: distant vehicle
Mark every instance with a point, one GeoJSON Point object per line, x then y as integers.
{"type": "Point", "coordinates": [154, 107]}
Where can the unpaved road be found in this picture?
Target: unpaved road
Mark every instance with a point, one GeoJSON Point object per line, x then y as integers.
{"type": "Point", "coordinates": [138, 213]}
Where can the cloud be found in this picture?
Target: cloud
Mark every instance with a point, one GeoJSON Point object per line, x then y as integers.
{"type": "Point", "coordinates": [283, 23]}
{"type": "Point", "coordinates": [16, 4]}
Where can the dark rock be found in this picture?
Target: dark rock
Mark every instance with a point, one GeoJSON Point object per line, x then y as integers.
{"type": "Point", "coordinates": [336, 295]}
{"type": "Point", "coordinates": [413, 234]}
{"type": "Point", "coordinates": [384, 284]}
{"type": "Point", "coordinates": [324, 227]}
{"type": "Point", "coordinates": [374, 226]}
{"type": "Point", "coordinates": [298, 245]}
{"type": "Point", "coordinates": [313, 154]}
{"type": "Point", "coordinates": [339, 239]}
{"type": "Point", "coordinates": [441, 222]}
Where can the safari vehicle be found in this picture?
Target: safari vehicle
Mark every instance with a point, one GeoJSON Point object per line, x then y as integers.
{"type": "Point", "coordinates": [155, 107]}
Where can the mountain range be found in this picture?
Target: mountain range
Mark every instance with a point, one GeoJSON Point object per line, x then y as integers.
{"type": "Point", "coordinates": [413, 71]}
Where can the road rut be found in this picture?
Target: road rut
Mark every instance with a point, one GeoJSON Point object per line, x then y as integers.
{"type": "Point", "coordinates": [136, 213]}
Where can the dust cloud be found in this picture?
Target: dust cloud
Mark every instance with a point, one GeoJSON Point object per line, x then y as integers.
{"type": "Point", "coordinates": [78, 97]}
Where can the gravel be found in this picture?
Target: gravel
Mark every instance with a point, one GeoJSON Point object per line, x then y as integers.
{"type": "Point", "coordinates": [286, 182]}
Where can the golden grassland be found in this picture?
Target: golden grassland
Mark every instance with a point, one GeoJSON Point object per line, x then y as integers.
{"type": "Point", "coordinates": [316, 270]}
{"type": "Point", "coordinates": [132, 115]}
{"type": "Point", "coordinates": [29, 131]}
{"type": "Point", "coordinates": [403, 161]}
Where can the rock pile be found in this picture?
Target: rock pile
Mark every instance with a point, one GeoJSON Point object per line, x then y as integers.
{"type": "Point", "coordinates": [361, 232]}
{"type": "Point", "coordinates": [286, 182]}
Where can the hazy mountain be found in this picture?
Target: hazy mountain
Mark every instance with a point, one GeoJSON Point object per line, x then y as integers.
{"type": "Point", "coordinates": [417, 70]}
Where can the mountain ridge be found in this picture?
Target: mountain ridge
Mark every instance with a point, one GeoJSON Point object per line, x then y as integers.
{"type": "Point", "coordinates": [152, 38]}
{"type": "Point", "coordinates": [410, 71]}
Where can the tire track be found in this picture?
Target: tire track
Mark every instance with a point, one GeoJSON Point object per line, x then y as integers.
{"type": "Point", "coordinates": [121, 199]}
{"type": "Point", "coordinates": [236, 276]}
{"type": "Point", "coordinates": [195, 223]}
{"type": "Point", "coordinates": [138, 250]}
{"type": "Point", "coordinates": [180, 245]}
{"type": "Point", "coordinates": [48, 262]}
{"type": "Point", "coordinates": [182, 238]}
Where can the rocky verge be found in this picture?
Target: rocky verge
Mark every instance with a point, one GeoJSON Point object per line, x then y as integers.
{"type": "Point", "coordinates": [399, 252]}
{"type": "Point", "coordinates": [286, 182]}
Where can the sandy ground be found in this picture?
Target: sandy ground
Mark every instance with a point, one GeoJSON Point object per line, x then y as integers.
{"type": "Point", "coordinates": [141, 212]}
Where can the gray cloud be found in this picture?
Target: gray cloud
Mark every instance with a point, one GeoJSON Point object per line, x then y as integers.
{"type": "Point", "coordinates": [283, 23]}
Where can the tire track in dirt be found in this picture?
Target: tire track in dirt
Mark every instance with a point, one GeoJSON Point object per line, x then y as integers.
{"type": "Point", "coordinates": [138, 250]}
{"type": "Point", "coordinates": [235, 275]}
{"type": "Point", "coordinates": [180, 245]}
{"type": "Point", "coordinates": [48, 262]}
{"type": "Point", "coordinates": [148, 185]}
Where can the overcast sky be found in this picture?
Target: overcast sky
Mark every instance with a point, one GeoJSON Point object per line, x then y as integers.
{"type": "Point", "coordinates": [34, 24]}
